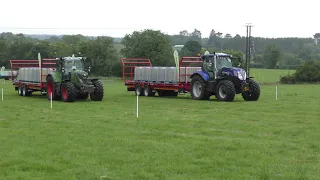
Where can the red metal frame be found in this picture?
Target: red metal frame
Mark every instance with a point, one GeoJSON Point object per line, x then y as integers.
{"type": "Point", "coordinates": [131, 63]}
{"type": "Point", "coordinates": [45, 63]}
{"type": "Point", "coordinates": [138, 62]}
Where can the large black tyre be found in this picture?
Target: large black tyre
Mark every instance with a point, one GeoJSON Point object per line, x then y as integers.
{"type": "Point", "coordinates": [97, 94]}
{"type": "Point", "coordinates": [226, 91]}
{"type": "Point", "coordinates": [254, 91]}
{"type": "Point", "coordinates": [68, 91]}
{"type": "Point", "coordinates": [51, 87]}
{"type": "Point", "coordinates": [148, 91]}
{"type": "Point", "coordinates": [20, 90]}
{"type": "Point", "coordinates": [198, 89]}
{"type": "Point", "coordinates": [25, 91]}
{"type": "Point", "coordinates": [139, 90]}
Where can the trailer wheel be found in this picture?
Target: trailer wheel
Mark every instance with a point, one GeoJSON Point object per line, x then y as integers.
{"type": "Point", "coordinates": [139, 90]}
{"type": "Point", "coordinates": [51, 88]}
{"type": "Point", "coordinates": [148, 91]}
{"type": "Point", "coordinates": [25, 91]}
{"type": "Point", "coordinates": [20, 91]}
{"type": "Point", "coordinates": [254, 91]}
{"type": "Point", "coordinates": [199, 89]}
{"type": "Point", "coordinates": [225, 91]}
{"type": "Point", "coordinates": [97, 94]}
{"type": "Point", "coordinates": [68, 91]}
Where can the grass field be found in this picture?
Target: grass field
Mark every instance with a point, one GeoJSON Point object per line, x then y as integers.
{"type": "Point", "coordinates": [173, 138]}
{"type": "Point", "coordinates": [266, 76]}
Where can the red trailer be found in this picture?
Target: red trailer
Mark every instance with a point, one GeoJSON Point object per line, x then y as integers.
{"type": "Point", "coordinates": [25, 88]}
{"type": "Point", "coordinates": [149, 88]}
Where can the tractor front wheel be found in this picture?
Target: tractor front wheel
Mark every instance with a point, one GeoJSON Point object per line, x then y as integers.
{"type": "Point", "coordinates": [68, 92]}
{"type": "Point", "coordinates": [254, 91]}
{"type": "Point", "coordinates": [225, 91]}
{"type": "Point", "coordinates": [97, 94]}
{"type": "Point", "coordinates": [199, 89]}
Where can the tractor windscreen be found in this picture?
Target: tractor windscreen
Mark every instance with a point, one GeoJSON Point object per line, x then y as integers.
{"type": "Point", "coordinates": [223, 62]}
{"type": "Point", "coordinates": [70, 64]}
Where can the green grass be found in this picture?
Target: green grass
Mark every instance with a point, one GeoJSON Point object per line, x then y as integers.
{"type": "Point", "coordinates": [173, 138]}
{"type": "Point", "coordinates": [266, 76]}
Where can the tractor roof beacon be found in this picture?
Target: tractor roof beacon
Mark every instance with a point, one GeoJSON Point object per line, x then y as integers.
{"type": "Point", "coordinates": [218, 77]}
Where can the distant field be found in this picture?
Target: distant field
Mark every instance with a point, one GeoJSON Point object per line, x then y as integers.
{"type": "Point", "coordinates": [174, 138]}
{"type": "Point", "coordinates": [268, 75]}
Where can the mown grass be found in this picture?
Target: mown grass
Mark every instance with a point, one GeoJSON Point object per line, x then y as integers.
{"type": "Point", "coordinates": [173, 138]}
{"type": "Point", "coordinates": [267, 76]}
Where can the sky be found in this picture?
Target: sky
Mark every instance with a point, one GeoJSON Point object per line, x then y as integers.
{"type": "Point", "coordinates": [270, 18]}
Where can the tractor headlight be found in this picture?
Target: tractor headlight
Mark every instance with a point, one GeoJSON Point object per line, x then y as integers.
{"type": "Point", "coordinates": [242, 75]}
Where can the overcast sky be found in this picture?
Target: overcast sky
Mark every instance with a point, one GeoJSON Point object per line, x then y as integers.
{"type": "Point", "coordinates": [271, 18]}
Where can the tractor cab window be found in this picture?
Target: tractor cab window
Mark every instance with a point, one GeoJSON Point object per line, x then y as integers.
{"type": "Point", "coordinates": [208, 63]}
{"type": "Point", "coordinates": [70, 64]}
{"type": "Point", "coordinates": [223, 62]}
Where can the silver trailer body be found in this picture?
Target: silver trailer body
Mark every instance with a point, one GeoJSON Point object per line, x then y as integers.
{"type": "Point", "coordinates": [8, 73]}
{"type": "Point", "coordinates": [33, 74]}
{"type": "Point", "coordinates": [163, 74]}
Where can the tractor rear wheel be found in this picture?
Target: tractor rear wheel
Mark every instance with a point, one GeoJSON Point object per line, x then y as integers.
{"type": "Point", "coordinates": [97, 94]}
{"type": "Point", "coordinates": [254, 91]}
{"type": "Point", "coordinates": [68, 91]}
{"type": "Point", "coordinates": [51, 88]}
{"type": "Point", "coordinates": [198, 89]}
{"type": "Point", "coordinates": [226, 91]}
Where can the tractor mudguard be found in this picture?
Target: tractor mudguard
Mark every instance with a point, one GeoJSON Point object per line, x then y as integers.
{"type": "Point", "coordinates": [203, 74]}
{"type": "Point", "coordinates": [56, 77]}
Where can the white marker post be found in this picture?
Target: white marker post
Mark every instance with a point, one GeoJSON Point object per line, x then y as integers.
{"type": "Point", "coordinates": [276, 92]}
{"type": "Point", "coordinates": [51, 100]}
{"type": "Point", "coordinates": [138, 93]}
{"type": "Point", "coordinates": [2, 94]}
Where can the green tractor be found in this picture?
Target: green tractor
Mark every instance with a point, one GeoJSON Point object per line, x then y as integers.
{"type": "Point", "coordinates": [70, 81]}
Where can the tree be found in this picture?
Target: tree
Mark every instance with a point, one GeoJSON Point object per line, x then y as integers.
{"type": "Point", "coordinates": [271, 56]}
{"type": "Point", "coordinates": [149, 44]}
{"type": "Point", "coordinates": [238, 60]}
{"type": "Point", "coordinates": [227, 35]}
{"type": "Point", "coordinates": [183, 33]}
{"type": "Point", "coordinates": [191, 48]}
{"type": "Point", "coordinates": [102, 54]}
{"type": "Point", "coordinates": [212, 38]}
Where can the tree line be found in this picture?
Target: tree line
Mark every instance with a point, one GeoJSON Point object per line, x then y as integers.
{"type": "Point", "coordinates": [104, 52]}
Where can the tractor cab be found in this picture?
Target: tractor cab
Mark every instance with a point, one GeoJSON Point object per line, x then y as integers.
{"type": "Point", "coordinates": [214, 63]}
{"type": "Point", "coordinates": [70, 64]}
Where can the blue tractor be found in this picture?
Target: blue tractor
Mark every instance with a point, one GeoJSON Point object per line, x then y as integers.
{"type": "Point", "coordinates": [218, 77]}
